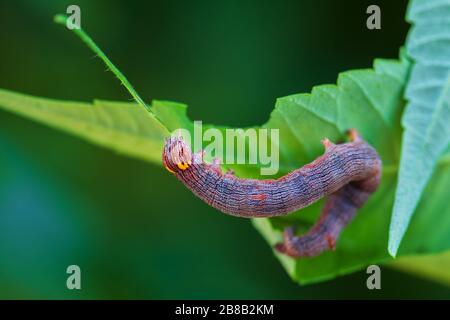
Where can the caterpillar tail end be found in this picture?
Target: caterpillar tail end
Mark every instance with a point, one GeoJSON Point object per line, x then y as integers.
{"type": "Point", "coordinates": [288, 246]}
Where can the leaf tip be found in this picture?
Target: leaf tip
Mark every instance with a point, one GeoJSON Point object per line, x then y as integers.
{"type": "Point", "coordinates": [396, 231]}
{"type": "Point", "coordinates": [392, 248]}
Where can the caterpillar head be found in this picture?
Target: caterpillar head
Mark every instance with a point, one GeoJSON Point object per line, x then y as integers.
{"type": "Point", "coordinates": [177, 155]}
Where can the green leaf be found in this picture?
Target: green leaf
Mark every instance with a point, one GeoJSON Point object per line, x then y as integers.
{"type": "Point", "coordinates": [427, 116]}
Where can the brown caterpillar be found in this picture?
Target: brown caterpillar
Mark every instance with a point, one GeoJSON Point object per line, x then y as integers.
{"type": "Point", "coordinates": [347, 173]}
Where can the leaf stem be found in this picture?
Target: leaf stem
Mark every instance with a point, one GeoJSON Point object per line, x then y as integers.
{"type": "Point", "coordinates": [62, 20]}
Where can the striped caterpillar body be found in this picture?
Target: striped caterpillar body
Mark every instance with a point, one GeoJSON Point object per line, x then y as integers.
{"type": "Point", "coordinates": [346, 173]}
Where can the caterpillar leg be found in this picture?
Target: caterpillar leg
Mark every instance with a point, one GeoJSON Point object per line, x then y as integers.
{"type": "Point", "coordinates": [327, 143]}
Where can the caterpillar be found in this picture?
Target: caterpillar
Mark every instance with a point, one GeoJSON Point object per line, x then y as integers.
{"type": "Point", "coordinates": [347, 174]}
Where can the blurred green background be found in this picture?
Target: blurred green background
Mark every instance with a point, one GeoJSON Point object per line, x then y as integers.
{"type": "Point", "coordinates": [131, 227]}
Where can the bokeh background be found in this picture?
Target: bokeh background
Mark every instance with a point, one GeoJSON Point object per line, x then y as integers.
{"type": "Point", "coordinates": [131, 227]}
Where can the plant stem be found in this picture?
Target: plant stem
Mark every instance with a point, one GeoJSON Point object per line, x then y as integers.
{"type": "Point", "coordinates": [62, 20]}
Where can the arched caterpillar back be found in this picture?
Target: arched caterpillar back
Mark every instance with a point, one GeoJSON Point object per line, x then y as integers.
{"type": "Point", "coordinates": [346, 173]}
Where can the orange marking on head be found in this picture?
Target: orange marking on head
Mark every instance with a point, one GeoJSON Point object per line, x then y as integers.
{"type": "Point", "coordinates": [326, 143]}
{"type": "Point", "coordinates": [182, 165]}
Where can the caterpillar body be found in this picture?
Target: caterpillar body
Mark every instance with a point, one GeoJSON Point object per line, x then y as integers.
{"type": "Point", "coordinates": [347, 174]}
